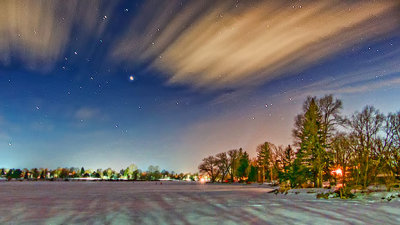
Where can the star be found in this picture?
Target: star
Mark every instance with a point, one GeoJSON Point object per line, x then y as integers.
{"type": "Point", "coordinates": [131, 78]}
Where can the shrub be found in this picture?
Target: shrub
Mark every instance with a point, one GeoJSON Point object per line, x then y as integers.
{"type": "Point", "coordinates": [345, 192]}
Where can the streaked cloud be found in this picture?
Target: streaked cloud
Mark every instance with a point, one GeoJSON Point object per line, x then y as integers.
{"type": "Point", "coordinates": [360, 88]}
{"type": "Point", "coordinates": [361, 77]}
{"type": "Point", "coordinates": [206, 44]}
{"type": "Point", "coordinates": [37, 32]}
{"type": "Point", "coordinates": [230, 45]}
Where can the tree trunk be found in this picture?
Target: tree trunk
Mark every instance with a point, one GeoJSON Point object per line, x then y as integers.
{"type": "Point", "coordinates": [366, 172]}
{"type": "Point", "coordinates": [343, 175]}
{"type": "Point", "coordinates": [320, 178]}
{"type": "Point", "coordinates": [271, 174]}
{"type": "Point", "coordinates": [262, 175]}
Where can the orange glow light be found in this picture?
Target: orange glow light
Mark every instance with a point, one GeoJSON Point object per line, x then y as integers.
{"type": "Point", "coordinates": [338, 172]}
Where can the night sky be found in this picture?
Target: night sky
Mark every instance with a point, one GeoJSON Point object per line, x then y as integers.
{"type": "Point", "coordinates": [108, 83]}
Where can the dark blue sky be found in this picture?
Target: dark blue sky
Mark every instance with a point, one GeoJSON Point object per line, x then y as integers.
{"type": "Point", "coordinates": [207, 76]}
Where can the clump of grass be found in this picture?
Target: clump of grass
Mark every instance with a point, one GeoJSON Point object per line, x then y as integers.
{"type": "Point", "coordinates": [323, 195]}
{"type": "Point", "coordinates": [345, 193]}
{"type": "Point", "coordinates": [283, 188]}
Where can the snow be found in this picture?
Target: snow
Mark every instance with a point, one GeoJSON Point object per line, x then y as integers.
{"type": "Point", "coordinates": [179, 203]}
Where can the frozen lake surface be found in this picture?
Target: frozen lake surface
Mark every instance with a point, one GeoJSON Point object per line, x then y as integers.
{"type": "Point", "coordinates": [178, 203]}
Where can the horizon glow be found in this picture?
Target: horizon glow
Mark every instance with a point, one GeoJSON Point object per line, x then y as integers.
{"type": "Point", "coordinates": [106, 84]}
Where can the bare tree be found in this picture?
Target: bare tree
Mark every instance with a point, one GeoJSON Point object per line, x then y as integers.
{"type": "Point", "coordinates": [223, 164]}
{"type": "Point", "coordinates": [394, 158]}
{"type": "Point", "coordinates": [388, 149]}
{"type": "Point", "coordinates": [330, 117]}
{"type": "Point", "coordinates": [210, 166]}
{"type": "Point", "coordinates": [233, 161]}
{"type": "Point", "coordinates": [343, 153]}
{"type": "Point", "coordinates": [365, 128]}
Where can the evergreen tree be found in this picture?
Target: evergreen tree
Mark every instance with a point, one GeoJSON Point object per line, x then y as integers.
{"type": "Point", "coordinates": [82, 171]}
{"type": "Point", "coordinates": [264, 159]}
{"type": "Point", "coordinates": [253, 174]}
{"type": "Point", "coordinates": [312, 152]}
{"type": "Point", "coordinates": [243, 165]}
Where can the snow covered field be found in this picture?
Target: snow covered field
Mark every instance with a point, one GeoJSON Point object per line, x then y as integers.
{"type": "Point", "coordinates": [178, 203]}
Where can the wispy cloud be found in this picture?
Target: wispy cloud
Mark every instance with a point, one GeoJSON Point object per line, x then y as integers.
{"type": "Point", "coordinates": [86, 113]}
{"type": "Point", "coordinates": [361, 87]}
{"type": "Point", "coordinates": [223, 45]}
{"type": "Point", "coordinates": [37, 32]}
{"type": "Point", "coordinates": [212, 44]}
{"type": "Point", "coordinates": [363, 76]}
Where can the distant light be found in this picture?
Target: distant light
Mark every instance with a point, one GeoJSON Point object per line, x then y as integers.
{"type": "Point", "coordinates": [202, 180]}
{"type": "Point", "coordinates": [131, 78]}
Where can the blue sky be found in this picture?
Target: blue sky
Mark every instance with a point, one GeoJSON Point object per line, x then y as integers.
{"type": "Point", "coordinates": [209, 76]}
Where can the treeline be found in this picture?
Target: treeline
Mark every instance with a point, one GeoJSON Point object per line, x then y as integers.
{"type": "Point", "coordinates": [130, 173]}
{"type": "Point", "coordinates": [329, 148]}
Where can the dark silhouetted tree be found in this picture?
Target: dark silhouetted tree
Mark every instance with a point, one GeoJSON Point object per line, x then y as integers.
{"type": "Point", "coordinates": [210, 166]}
{"type": "Point", "coordinates": [223, 164]}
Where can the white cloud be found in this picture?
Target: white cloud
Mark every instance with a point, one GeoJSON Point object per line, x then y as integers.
{"type": "Point", "coordinates": [224, 46]}
{"type": "Point", "coordinates": [37, 32]}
